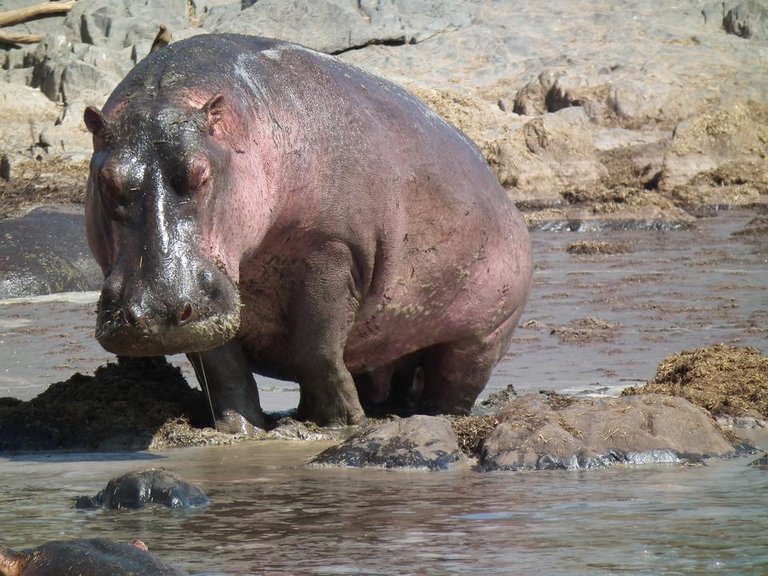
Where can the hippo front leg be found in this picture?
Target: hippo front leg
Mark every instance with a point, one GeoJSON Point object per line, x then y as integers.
{"type": "Point", "coordinates": [323, 313]}
{"type": "Point", "coordinates": [226, 378]}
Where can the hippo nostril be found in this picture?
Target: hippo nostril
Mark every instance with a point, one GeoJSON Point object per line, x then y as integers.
{"type": "Point", "coordinates": [186, 314]}
{"type": "Point", "coordinates": [130, 316]}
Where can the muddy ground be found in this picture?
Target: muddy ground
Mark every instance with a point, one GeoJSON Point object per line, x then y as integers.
{"type": "Point", "coordinates": [138, 404]}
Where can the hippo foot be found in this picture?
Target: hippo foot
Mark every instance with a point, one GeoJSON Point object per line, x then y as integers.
{"type": "Point", "coordinates": [331, 416]}
{"type": "Point", "coordinates": [231, 422]}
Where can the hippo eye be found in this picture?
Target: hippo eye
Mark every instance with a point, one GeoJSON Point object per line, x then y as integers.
{"type": "Point", "coordinates": [199, 174]}
{"type": "Point", "coordinates": [107, 182]}
{"type": "Point", "coordinates": [189, 179]}
{"type": "Point", "coordinates": [111, 193]}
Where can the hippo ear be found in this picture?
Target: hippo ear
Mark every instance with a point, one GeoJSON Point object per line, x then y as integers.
{"type": "Point", "coordinates": [94, 120]}
{"type": "Point", "coordinates": [12, 564]}
{"type": "Point", "coordinates": [214, 111]}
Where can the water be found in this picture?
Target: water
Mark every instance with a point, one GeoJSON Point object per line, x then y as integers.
{"type": "Point", "coordinates": [272, 514]}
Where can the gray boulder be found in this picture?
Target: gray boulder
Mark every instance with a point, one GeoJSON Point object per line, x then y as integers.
{"type": "Point", "coordinates": [417, 442]}
{"type": "Point", "coordinates": [98, 42]}
{"type": "Point", "coordinates": [718, 136]}
{"type": "Point", "coordinates": [618, 95]}
{"type": "Point", "coordinates": [335, 26]}
{"type": "Point", "coordinates": [748, 19]}
{"type": "Point", "coordinates": [45, 252]}
{"type": "Point", "coordinates": [540, 432]}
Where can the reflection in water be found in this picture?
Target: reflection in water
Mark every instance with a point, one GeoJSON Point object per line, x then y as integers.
{"type": "Point", "coordinates": [294, 519]}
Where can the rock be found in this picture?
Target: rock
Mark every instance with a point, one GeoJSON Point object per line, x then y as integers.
{"type": "Point", "coordinates": [98, 42]}
{"type": "Point", "coordinates": [761, 462]}
{"type": "Point", "coordinates": [748, 19]}
{"type": "Point", "coordinates": [714, 138]}
{"type": "Point", "coordinates": [138, 488]}
{"type": "Point", "coordinates": [560, 86]}
{"type": "Point", "coordinates": [531, 99]}
{"type": "Point", "coordinates": [586, 330]}
{"type": "Point", "coordinates": [536, 159]}
{"type": "Point", "coordinates": [44, 252]}
{"type": "Point", "coordinates": [610, 95]}
{"type": "Point", "coordinates": [540, 432]}
{"type": "Point", "coordinates": [24, 113]}
{"type": "Point", "coordinates": [416, 442]}
{"type": "Point", "coordinates": [120, 24]}
{"type": "Point", "coordinates": [335, 26]}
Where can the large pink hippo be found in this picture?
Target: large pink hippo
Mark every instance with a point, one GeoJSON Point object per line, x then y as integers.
{"type": "Point", "coordinates": [266, 208]}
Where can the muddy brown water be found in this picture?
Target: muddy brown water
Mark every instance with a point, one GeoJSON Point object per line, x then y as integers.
{"type": "Point", "coordinates": [595, 324]}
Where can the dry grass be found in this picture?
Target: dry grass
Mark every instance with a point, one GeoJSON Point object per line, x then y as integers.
{"type": "Point", "coordinates": [725, 380]}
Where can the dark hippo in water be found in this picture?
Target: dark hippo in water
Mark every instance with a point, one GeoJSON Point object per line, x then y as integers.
{"type": "Point", "coordinates": [266, 208]}
{"type": "Point", "coordinates": [138, 488]}
{"type": "Point", "coordinates": [87, 557]}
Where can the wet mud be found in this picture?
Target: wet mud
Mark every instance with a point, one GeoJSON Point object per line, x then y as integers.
{"type": "Point", "coordinates": [122, 406]}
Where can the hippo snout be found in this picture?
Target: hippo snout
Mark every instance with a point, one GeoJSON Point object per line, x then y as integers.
{"type": "Point", "coordinates": [189, 311]}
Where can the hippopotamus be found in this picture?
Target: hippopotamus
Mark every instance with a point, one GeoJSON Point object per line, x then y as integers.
{"type": "Point", "coordinates": [85, 557]}
{"type": "Point", "coordinates": [265, 208]}
{"type": "Point", "coordinates": [138, 488]}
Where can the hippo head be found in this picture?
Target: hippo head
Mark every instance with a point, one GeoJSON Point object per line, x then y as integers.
{"type": "Point", "coordinates": [156, 177]}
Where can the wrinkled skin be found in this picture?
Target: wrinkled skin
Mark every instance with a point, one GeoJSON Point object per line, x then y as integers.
{"type": "Point", "coordinates": [86, 557]}
{"type": "Point", "coordinates": [264, 208]}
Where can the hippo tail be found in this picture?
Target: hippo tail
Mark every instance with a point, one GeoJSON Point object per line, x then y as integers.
{"type": "Point", "coordinates": [12, 564]}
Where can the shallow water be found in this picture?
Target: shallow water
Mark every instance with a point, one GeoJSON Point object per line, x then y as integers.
{"type": "Point", "coordinates": [272, 514]}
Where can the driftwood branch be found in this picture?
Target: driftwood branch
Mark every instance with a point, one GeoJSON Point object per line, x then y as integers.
{"type": "Point", "coordinates": [11, 17]}
{"type": "Point", "coordinates": [6, 38]}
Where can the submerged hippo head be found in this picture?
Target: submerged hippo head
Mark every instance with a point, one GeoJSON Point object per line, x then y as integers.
{"type": "Point", "coordinates": [156, 176]}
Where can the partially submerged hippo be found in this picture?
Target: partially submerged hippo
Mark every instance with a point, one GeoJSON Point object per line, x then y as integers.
{"type": "Point", "coordinates": [86, 557]}
{"type": "Point", "coordinates": [266, 208]}
{"type": "Point", "coordinates": [138, 488]}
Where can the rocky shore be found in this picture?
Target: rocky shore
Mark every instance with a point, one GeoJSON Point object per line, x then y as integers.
{"type": "Point", "coordinates": [640, 114]}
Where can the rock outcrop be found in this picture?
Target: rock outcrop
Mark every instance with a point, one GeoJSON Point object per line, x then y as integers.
{"type": "Point", "coordinates": [426, 442]}
{"type": "Point", "coordinates": [537, 432]}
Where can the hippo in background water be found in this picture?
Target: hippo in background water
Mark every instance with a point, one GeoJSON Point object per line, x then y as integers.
{"type": "Point", "coordinates": [86, 557]}
{"type": "Point", "coordinates": [266, 208]}
{"type": "Point", "coordinates": [138, 488]}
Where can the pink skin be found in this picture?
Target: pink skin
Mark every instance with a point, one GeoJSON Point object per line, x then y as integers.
{"type": "Point", "coordinates": [366, 237]}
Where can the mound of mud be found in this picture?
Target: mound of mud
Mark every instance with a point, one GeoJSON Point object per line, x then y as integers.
{"type": "Point", "coordinates": [597, 247]}
{"type": "Point", "coordinates": [121, 407]}
{"type": "Point", "coordinates": [725, 380]}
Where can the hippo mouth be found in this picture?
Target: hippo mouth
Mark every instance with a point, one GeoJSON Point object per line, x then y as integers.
{"type": "Point", "coordinates": [203, 330]}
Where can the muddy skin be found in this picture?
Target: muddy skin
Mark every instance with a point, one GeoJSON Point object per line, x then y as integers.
{"type": "Point", "coordinates": [86, 557]}
{"type": "Point", "coordinates": [265, 208]}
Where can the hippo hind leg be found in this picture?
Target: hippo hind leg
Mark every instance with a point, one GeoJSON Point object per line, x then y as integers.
{"type": "Point", "coordinates": [392, 389]}
{"type": "Point", "coordinates": [456, 372]}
